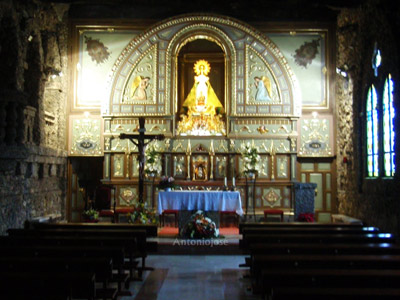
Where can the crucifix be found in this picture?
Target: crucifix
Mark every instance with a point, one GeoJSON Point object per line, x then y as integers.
{"type": "Point", "coordinates": [139, 141]}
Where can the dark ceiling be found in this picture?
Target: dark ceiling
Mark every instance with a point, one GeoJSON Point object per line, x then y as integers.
{"type": "Point", "coordinates": [250, 10]}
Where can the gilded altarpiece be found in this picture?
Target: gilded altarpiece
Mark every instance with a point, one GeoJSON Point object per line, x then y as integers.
{"type": "Point", "coordinates": [261, 104]}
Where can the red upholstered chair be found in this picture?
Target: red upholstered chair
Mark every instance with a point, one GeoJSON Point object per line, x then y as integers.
{"type": "Point", "coordinates": [173, 212]}
{"type": "Point", "coordinates": [273, 212]}
{"type": "Point", "coordinates": [224, 214]}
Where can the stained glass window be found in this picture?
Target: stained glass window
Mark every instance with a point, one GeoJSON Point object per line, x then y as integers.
{"type": "Point", "coordinates": [388, 129]}
{"type": "Point", "coordinates": [376, 60]}
{"type": "Point", "coordinates": [372, 133]}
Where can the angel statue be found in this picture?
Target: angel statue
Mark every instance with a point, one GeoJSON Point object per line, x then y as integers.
{"type": "Point", "coordinates": [138, 88]}
{"type": "Point", "coordinates": [202, 97]}
{"type": "Point", "coordinates": [263, 86]}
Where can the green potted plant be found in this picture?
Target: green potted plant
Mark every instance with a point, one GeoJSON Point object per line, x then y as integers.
{"type": "Point", "coordinates": [91, 215]}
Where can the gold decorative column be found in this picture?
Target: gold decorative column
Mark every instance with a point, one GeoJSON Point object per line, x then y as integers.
{"type": "Point", "coordinates": [272, 153]}
{"type": "Point", "coordinates": [212, 153]}
{"type": "Point", "coordinates": [128, 154]}
{"type": "Point", "coordinates": [188, 154]}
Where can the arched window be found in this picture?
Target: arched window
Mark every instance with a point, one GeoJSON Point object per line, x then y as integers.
{"type": "Point", "coordinates": [372, 133]}
{"type": "Point", "coordinates": [388, 127]}
{"type": "Point", "coordinates": [379, 125]}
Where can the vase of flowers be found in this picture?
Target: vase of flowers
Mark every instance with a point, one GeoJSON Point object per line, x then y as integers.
{"type": "Point", "coordinates": [166, 183]}
{"type": "Point", "coordinates": [200, 227]}
{"type": "Point", "coordinates": [141, 214]}
{"type": "Point", "coordinates": [152, 166]}
{"type": "Point", "coordinates": [250, 158]}
{"type": "Point", "coordinates": [90, 216]}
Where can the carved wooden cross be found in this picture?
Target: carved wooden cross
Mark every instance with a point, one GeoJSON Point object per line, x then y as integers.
{"type": "Point", "coordinates": [141, 144]}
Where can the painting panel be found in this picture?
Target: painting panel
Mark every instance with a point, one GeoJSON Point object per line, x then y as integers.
{"type": "Point", "coordinates": [316, 137]}
{"type": "Point", "coordinates": [118, 165]}
{"type": "Point", "coordinates": [179, 167]}
{"type": "Point", "coordinates": [97, 51]}
{"type": "Point", "coordinates": [306, 54]}
{"type": "Point", "coordinates": [85, 137]}
{"type": "Point", "coordinates": [221, 167]}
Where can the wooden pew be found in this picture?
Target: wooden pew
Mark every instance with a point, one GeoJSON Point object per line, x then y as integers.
{"type": "Point", "coordinates": [34, 284]}
{"type": "Point", "coordinates": [265, 262]}
{"type": "Point", "coordinates": [302, 229]}
{"type": "Point", "coordinates": [328, 278]}
{"type": "Point", "coordinates": [313, 248]}
{"type": "Point", "coordinates": [295, 225]}
{"type": "Point", "coordinates": [151, 230]}
{"type": "Point", "coordinates": [59, 266]}
{"type": "Point", "coordinates": [316, 255]}
{"type": "Point", "coordinates": [134, 242]}
{"type": "Point", "coordinates": [317, 238]}
{"type": "Point", "coordinates": [336, 293]}
{"type": "Point", "coordinates": [65, 242]}
{"type": "Point", "coordinates": [116, 253]}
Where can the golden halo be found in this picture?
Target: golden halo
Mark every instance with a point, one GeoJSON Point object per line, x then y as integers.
{"type": "Point", "coordinates": [200, 63]}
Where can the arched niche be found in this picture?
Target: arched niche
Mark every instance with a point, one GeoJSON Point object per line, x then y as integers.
{"type": "Point", "coordinates": [248, 54]}
{"type": "Point", "coordinates": [188, 55]}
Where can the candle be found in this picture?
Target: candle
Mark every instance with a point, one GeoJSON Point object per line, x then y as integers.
{"type": "Point", "coordinates": [233, 181]}
{"type": "Point", "coordinates": [226, 181]}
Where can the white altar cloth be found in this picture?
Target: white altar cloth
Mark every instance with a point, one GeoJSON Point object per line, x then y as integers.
{"type": "Point", "coordinates": [200, 200]}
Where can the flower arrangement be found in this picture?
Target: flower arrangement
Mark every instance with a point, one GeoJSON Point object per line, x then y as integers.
{"type": "Point", "coordinates": [250, 157]}
{"type": "Point", "coordinates": [142, 215]}
{"type": "Point", "coordinates": [200, 227]}
{"type": "Point", "coordinates": [90, 215]}
{"type": "Point", "coordinates": [153, 160]}
{"type": "Point", "coordinates": [166, 182]}
{"type": "Point", "coordinates": [306, 217]}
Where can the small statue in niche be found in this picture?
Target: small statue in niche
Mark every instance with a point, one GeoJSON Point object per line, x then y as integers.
{"type": "Point", "coordinates": [138, 88]}
{"type": "Point", "coordinates": [200, 170]}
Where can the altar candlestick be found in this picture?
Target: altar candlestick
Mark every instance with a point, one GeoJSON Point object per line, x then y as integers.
{"type": "Point", "coordinates": [233, 181]}
{"type": "Point", "coordinates": [226, 181]}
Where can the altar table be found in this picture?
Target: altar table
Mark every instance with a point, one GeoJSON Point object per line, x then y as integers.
{"type": "Point", "coordinates": [200, 200]}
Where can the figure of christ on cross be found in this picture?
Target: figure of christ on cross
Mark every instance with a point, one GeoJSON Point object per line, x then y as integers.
{"type": "Point", "coordinates": [139, 141]}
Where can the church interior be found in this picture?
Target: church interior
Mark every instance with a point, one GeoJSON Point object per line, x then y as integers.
{"type": "Point", "coordinates": [287, 106]}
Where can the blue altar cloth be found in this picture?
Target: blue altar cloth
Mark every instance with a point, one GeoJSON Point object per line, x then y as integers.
{"type": "Point", "coordinates": [200, 200]}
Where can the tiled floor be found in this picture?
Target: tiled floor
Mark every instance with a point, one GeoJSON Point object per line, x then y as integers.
{"type": "Point", "coordinates": [193, 277]}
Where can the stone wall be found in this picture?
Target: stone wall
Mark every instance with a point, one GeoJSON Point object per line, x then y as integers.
{"type": "Point", "coordinates": [375, 201]}
{"type": "Point", "coordinates": [33, 93]}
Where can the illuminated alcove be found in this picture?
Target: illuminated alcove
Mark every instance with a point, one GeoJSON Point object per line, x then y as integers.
{"type": "Point", "coordinates": [187, 59]}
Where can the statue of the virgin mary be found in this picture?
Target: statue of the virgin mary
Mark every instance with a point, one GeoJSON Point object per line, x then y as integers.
{"type": "Point", "coordinates": [202, 97]}
{"type": "Point", "coordinates": [201, 111]}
